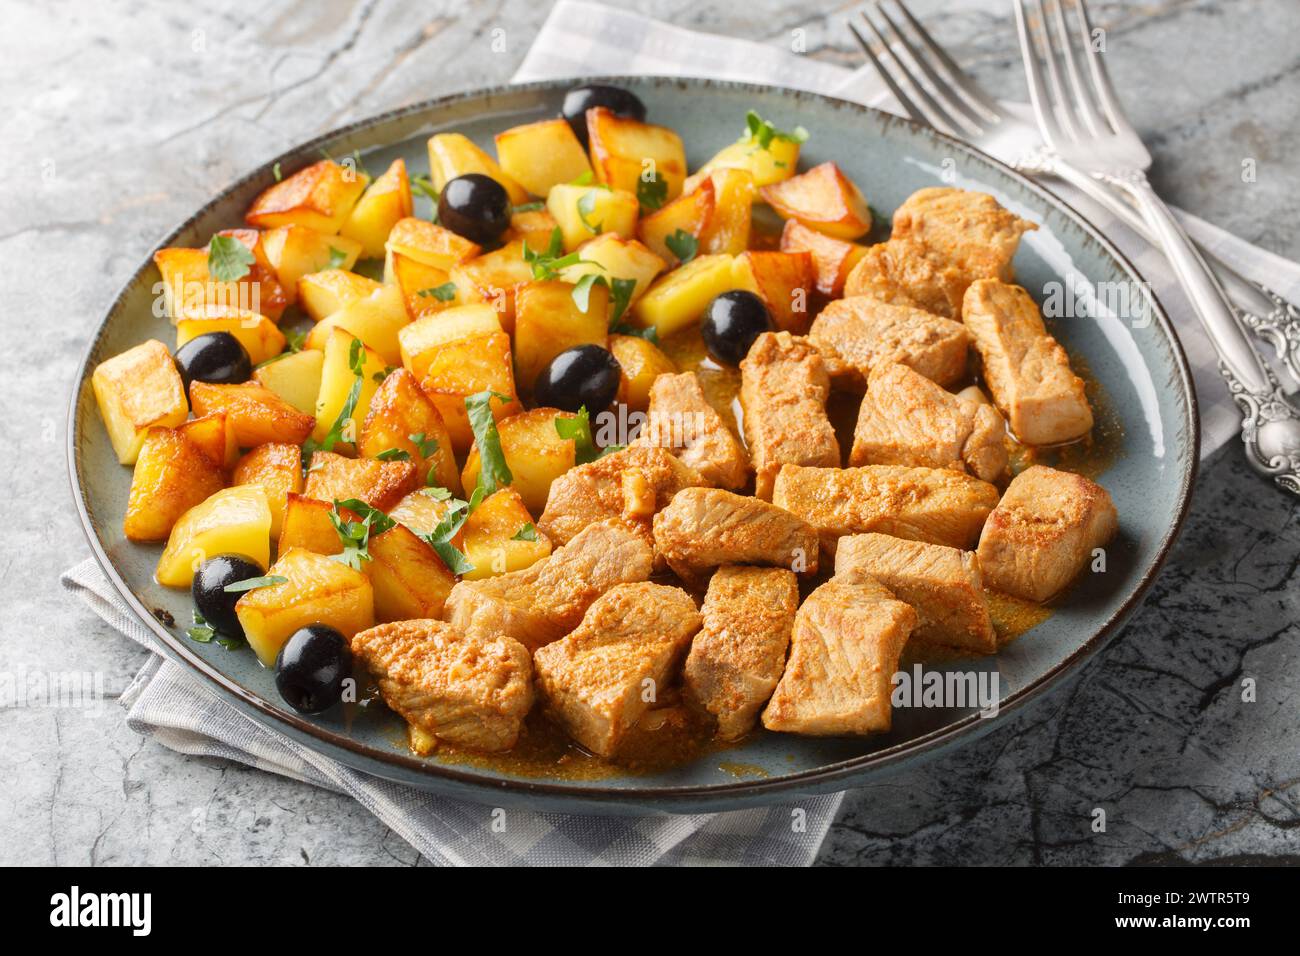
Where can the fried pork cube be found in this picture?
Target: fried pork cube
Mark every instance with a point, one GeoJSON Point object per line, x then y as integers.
{"type": "Point", "coordinates": [905, 419]}
{"type": "Point", "coordinates": [943, 239]}
{"type": "Point", "coordinates": [681, 420]}
{"type": "Point", "coordinates": [943, 584]}
{"type": "Point", "coordinates": [783, 390]}
{"type": "Point", "coordinates": [934, 505]}
{"type": "Point", "coordinates": [630, 484]}
{"type": "Point", "coordinates": [546, 600]}
{"type": "Point", "coordinates": [737, 658]}
{"type": "Point", "coordinates": [598, 680]}
{"type": "Point", "coordinates": [1043, 532]}
{"type": "Point", "coordinates": [844, 652]}
{"type": "Point", "coordinates": [468, 691]}
{"type": "Point", "coordinates": [703, 528]}
{"type": "Point", "coordinates": [855, 335]}
{"type": "Point", "coordinates": [1027, 371]}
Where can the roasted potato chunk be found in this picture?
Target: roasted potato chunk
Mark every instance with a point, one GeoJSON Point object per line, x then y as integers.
{"type": "Point", "coordinates": [380, 484]}
{"type": "Point", "coordinates": [452, 155]}
{"type": "Point", "coordinates": [215, 437]}
{"type": "Point", "coordinates": [256, 413]}
{"type": "Point", "coordinates": [833, 259]}
{"type": "Point", "coordinates": [296, 251]}
{"type": "Point", "coordinates": [641, 362]}
{"type": "Point", "coordinates": [540, 155]}
{"type": "Point", "coordinates": [277, 467]}
{"type": "Point", "coordinates": [399, 410]}
{"type": "Point", "coordinates": [584, 212]}
{"type": "Point", "coordinates": [387, 201]}
{"type": "Point", "coordinates": [409, 578]}
{"type": "Point", "coordinates": [679, 298]}
{"type": "Point", "coordinates": [464, 368]}
{"type": "Point", "coordinates": [784, 281]}
{"type": "Point", "coordinates": [624, 151]}
{"type": "Point", "coordinates": [548, 321]}
{"type": "Point", "coordinates": [613, 257]}
{"type": "Point", "coordinates": [336, 384]}
{"type": "Point", "coordinates": [500, 536]}
{"type": "Point", "coordinates": [494, 278]}
{"type": "Point", "coordinates": [230, 521]}
{"type": "Point", "coordinates": [172, 475]}
{"type": "Point", "coordinates": [535, 454]}
{"type": "Point", "coordinates": [324, 293]}
{"type": "Point", "coordinates": [190, 290]}
{"type": "Point", "coordinates": [431, 244]}
{"type": "Point", "coordinates": [319, 197]}
{"type": "Point", "coordinates": [259, 336]}
{"type": "Point", "coordinates": [823, 199]}
{"type": "Point", "coordinates": [295, 378]}
{"type": "Point", "coordinates": [307, 525]}
{"type": "Point", "coordinates": [375, 320]}
{"type": "Point", "coordinates": [138, 390]}
{"type": "Point", "coordinates": [421, 339]}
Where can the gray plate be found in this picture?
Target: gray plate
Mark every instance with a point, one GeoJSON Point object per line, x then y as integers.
{"type": "Point", "coordinates": [1142, 372]}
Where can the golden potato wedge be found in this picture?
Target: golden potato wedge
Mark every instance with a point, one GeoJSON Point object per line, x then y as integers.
{"type": "Point", "coordinates": [784, 281]}
{"type": "Point", "coordinates": [135, 391]}
{"type": "Point", "coordinates": [614, 257]}
{"type": "Point", "coordinates": [316, 590]}
{"type": "Point", "coordinates": [641, 362]}
{"type": "Point", "coordinates": [689, 214]}
{"type": "Point", "coordinates": [259, 336]}
{"type": "Point", "coordinates": [307, 525]}
{"type": "Point", "coordinates": [500, 536]}
{"type": "Point", "coordinates": [679, 298]}
{"type": "Point", "coordinates": [375, 320]}
{"type": "Point", "coordinates": [336, 383]}
{"type": "Point", "coordinates": [423, 337]}
{"type": "Point", "coordinates": [548, 321]}
{"type": "Point", "coordinates": [172, 475]}
{"type": "Point", "coordinates": [380, 484]}
{"type": "Point", "coordinates": [728, 226]}
{"type": "Point", "coordinates": [464, 368]}
{"type": "Point", "coordinates": [425, 289]}
{"type": "Point", "coordinates": [833, 259]}
{"type": "Point", "coordinates": [296, 251]}
{"type": "Point", "coordinates": [493, 279]}
{"type": "Point", "coordinates": [398, 410]}
{"type": "Point", "coordinates": [387, 201]}
{"type": "Point", "coordinates": [190, 290]}
{"type": "Point", "coordinates": [533, 227]}
{"type": "Point", "coordinates": [230, 521]}
{"type": "Point", "coordinates": [256, 413]}
{"type": "Point", "coordinates": [277, 467]}
{"type": "Point", "coordinates": [215, 437]}
{"type": "Point", "coordinates": [294, 377]}
{"type": "Point", "coordinates": [452, 155]}
{"type": "Point", "coordinates": [583, 212]}
{"type": "Point", "coordinates": [431, 244]}
{"type": "Point", "coordinates": [324, 293]}
{"type": "Point", "coordinates": [319, 197]}
{"type": "Point", "coordinates": [823, 199]}
{"type": "Point", "coordinates": [410, 580]}
{"type": "Point", "coordinates": [422, 510]}
{"type": "Point", "coordinates": [769, 164]}
{"type": "Point", "coordinates": [539, 155]}
{"type": "Point", "coordinates": [633, 156]}
{"type": "Point", "coordinates": [534, 452]}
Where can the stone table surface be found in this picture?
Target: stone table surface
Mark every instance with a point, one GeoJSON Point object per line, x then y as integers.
{"type": "Point", "coordinates": [121, 118]}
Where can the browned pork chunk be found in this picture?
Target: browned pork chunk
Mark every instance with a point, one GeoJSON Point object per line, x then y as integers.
{"type": "Point", "coordinates": [905, 419]}
{"type": "Point", "coordinates": [843, 655]}
{"type": "Point", "coordinates": [546, 600]}
{"type": "Point", "coordinates": [1027, 371]}
{"type": "Point", "coordinates": [855, 335]}
{"type": "Point", "coordinates": [1043, 532]}
{"type": "Point", "coordinates": [783, 391]}
{"type": "Point", "coordinates": [468, 691]}
{"type": "Point", "coordinates": [630, 485]}
{"type": "Point", "coordinates": [598, 680]}
{"type": "Point", "coordinates": [737, 658]}
{"type": "Point", "coordinates": [921, 504]}
{"type": "Point", "coordinates": [943, 584]}
{"type": "Point", "coordinates": [703, 528]}
{"type": "Point", "coordinates": [681, 420]}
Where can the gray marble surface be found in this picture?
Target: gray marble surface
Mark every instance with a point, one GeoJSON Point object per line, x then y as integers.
{"type": "Point", "coordinates": [121, 118]}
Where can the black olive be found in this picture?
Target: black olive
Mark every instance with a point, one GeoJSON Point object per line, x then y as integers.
{"type": "Point", "coordinates": [216, 357]}
{"type": "Point", "coordinates": [214, 602]}
{"type": "Point", "coordinates": [311, 668]}
{"type": "Point", "coordinates": [582, 98]}
{"type": "Point", "coordinates": [583, 376]}
{"type": "Point", "coordinates": [476, 207]}
{"type": "Point", "coordinates": [731, 323]}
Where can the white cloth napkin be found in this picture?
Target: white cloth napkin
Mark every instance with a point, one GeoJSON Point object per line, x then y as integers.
{"type": "Point", "coordinates": [588, 38]}
{"type": "Point", "coordinates": [167, 703]}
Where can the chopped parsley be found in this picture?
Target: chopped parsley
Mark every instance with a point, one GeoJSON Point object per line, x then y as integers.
{"type": "Point", "coordinates": [249, 584]}
{"type": "Point", "coordinates": [762, 132]}
{"type": "Point", "coordinates": [493, 472]}
{"type": "Point", "coordinates": [683, 245]}
{"type": "Point", "coordinates": [440, 537]}
{"type": "Point", "coordinates": [425, 446]}
{"type": "Point", "coordinates": [651, 193]}
{"type": "Point", "coordinates": [356, 362]}
{"type": "Point", "coordinates": [578, 428]}
{"type": "Point", "coordinates": [393, 454]}
{"type": "Point", "coordinates": [443, 293]}
{"type": "Point", "coordinates": [526, 533]}
{"type": "Point", "coordinates": [228, 259]}
{"type": "Point", "coordinates": [649, 333]}
{"type": "Point", "coordinates": [586, 207]}
{"type": "Point", "coordinates": [336, 259]}
{"type": "Point", "coordinates": [547, 265]}
{"type": "Point", "coordinates": [584, 180]}
{"type": "Point", "coordinates": [203, 633]}
{"type": "Point", "coordinates": [275, 171]}
{"type": "Point", "coordinates": [530, 207]}
{"type": "Point", "coordinates": [423, 184]}
{"type": "Point", "coordinates": [355, 535]}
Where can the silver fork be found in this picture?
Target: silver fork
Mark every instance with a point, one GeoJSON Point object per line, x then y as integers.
{"type": "Point", "coordinates": [1084, 124]}
{"type": "Point", "coordinates": [946, 98]}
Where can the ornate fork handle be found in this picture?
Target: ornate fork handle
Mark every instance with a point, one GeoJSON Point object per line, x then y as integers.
{"type": "Point", "coordinates": [1271, 425]}
{"type": "Point", "coordinates": [1279, 327]}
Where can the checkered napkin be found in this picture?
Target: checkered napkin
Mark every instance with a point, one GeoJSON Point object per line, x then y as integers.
{"type": "Point", "coordinates": [167, 703]}
{"type": "Point", "coordinates": [588, 38]}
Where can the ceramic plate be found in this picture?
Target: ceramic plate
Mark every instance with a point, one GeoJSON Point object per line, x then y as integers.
{"type": "Point", "coordinates": [1146, 406]}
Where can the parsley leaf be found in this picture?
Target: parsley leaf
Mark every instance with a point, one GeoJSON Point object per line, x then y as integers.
{"type": "Point", "coordinates": [587, 206]}
{"type": "Point", "coordinates": [423, 184]}
{"type": "Point", "coordinates": [357, 363]}
{"type": "Point", "coordinates": [425, 446]}
{"type": "Point", "coordinates": [762, 132]}
{"type": "Point", "coordinates": [683, 245]}
{"type": "Point", "coordinates": [584, 179]}
{"type": "Point", "coordinates": [530, 207]}
{"type": "Point", "coordinates": [393, 454]}
{"type": "Point", "coordinates": [578, 428]}
{"type": "Point", "coordinates": [443, 293]}
{"type": "Point", "coordinates": [547, 265]}
{"type": "Point", "coordinates": [653, 192]}
{"type": "Point", "coordinates": [249, 584]}
{"type": "Point", "coordinates": [649, 333]}
{"type": "Point", "coordinates": [336, 259]}
{"type": "Point", "coordinates": [228, 259]}
{"type": "Point", "coordinates": [202, 631]}
{"type": "Point", "coordinates": [526, 533]}
{"type": "Point", "coordinates": [440, 537]}
{"type": "Point", "coordinates": [355, 535]}
{"type": "Point", "coordinates": [275, 171]}
{"type": "Point", "coordinates": [438, 493]}
{"type": "Point", "coordinates": [493, 472]}
{"type": "Point", "coordinates": [620, 295]}
{"type": "Point", "coordinates": [582, 289]}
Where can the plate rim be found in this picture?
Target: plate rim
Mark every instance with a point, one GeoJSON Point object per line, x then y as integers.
{"type": "Point", "coordinates": [755, 790]}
